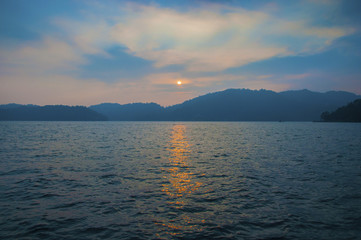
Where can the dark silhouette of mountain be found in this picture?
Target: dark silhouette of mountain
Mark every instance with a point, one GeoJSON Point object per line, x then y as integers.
{"type": "Point", "coordinates": [262, 105]}
{"type": "Point", "coordinates": [15, 105]}
{"type": "Point", "coordinates": [130, 112]}
{"type": "Point", "coordinates": [349, 113]}
{"type": "Point", "coordinates": [235, 105]}
{"type": "Point", "coordinates": [48, 113]}
{"type": "Point", "coordinates": [228, 105]}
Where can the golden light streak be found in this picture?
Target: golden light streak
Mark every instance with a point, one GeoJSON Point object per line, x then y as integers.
{"type": "Point", "coordinates": [180, 183]}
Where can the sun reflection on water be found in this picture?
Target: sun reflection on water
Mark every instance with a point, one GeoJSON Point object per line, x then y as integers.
{"type": "Point", "coordinates": [180, 185]}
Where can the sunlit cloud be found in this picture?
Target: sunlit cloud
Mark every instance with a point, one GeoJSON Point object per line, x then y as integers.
{"type": "Point", "coordinates": [216, 39]}
{"type": "Point", "coordinates": [201, 42]}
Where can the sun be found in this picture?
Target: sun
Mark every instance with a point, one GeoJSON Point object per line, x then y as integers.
{"type": "Point", "coordinates": [179, 83]}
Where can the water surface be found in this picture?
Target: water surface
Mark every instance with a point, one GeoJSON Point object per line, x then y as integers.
{"type": "Point", "coordinates": [167, 180]}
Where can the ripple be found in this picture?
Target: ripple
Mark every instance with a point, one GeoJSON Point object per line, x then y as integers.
{"type": "Point", "coordinates": [67, 205]}
{"type": "Point", "coordinates": [130, 180]}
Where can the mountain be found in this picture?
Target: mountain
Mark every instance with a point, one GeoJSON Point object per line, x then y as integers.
{"type": "Point", "coordinates": [48, 113]}
{"type": "Point", "coordinates": [234, 105]}
{"type": "Point", "coordinates": [130, 112]}
{"type": "Point", "coordinates": [258, 105]}
{"type": "Point", "coordinates": [227, 105]}
{"type": "Point", "coordinates": [15, 105]}
{"type": "Point", "coordinates": [349, 113]}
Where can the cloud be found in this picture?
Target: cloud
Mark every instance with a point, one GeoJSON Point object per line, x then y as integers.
{"type": "Point", "coordinates": [46, 55]}
{"type": "Point", "coordinates": [202, 41]}
{"type": "Point", "coordinates": [218, 38]}
{"type": "Point", "coordinates": [205, 39]}
{"type": "Point", "coordinates": [92, 37]}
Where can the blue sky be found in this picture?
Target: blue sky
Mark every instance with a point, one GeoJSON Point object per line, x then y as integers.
{"type": "Point", "coordinates": [87, 52]}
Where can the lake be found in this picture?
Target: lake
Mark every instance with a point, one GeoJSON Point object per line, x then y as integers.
{"type": "Point", "coordinates": [180, 180]}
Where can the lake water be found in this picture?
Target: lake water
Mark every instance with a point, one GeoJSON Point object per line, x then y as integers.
{"type": "Point", "coordinates": [175, 180]}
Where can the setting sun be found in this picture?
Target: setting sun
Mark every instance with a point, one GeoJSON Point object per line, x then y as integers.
{"type": "Point", "coordinates": [179, 83]}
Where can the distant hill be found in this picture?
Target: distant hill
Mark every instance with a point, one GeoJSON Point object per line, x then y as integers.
{"type": "Point", "coordinates": [227, 105]}
{"type": "Point", "coordinates": [235, 105]}
{"type": "Point", "coordinates": [48, 113]}
{"type": "Point", "coordinates": [15, 105]}
{"type": "Point", "coordinates": [258, 105]}
{"type": "Point", "coordinates": [130, 112]}
{"type": "Point", "coordinates": [349, 113]}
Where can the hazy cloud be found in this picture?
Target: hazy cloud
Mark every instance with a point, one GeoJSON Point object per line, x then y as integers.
{"type": "Point", "coordinates": [218, 38]}
{"type": "Point", "coordinates": [92, 37]}
{"type": "Point", "coordinates": [48, 54]}
{"type": "Point", "coordinates": [202, 41]}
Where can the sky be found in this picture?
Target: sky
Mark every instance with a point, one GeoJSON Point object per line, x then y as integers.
{"type": "Point", "coordinates": [86, 52]}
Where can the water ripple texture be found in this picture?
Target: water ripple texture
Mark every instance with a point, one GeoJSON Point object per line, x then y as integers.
{"type": "Point", "coordinates": [180, 180]}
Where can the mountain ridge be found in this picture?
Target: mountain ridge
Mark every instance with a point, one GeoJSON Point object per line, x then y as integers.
{"type": "Point", "coordinates": [227, 105]}
{"type": "Point", "coordinates": [48, 113]}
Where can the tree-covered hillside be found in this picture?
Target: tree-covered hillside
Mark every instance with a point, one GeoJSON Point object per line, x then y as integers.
{"type": "Point", "coordinates": [349, 113]}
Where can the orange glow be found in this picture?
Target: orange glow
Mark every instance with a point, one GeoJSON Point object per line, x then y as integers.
{"type": "Point", "coordinates": [180, 183]}
{"type": "Point", "coordinates": [179, 83]}
{"type": "Point", "coordinates": [179, 176]}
